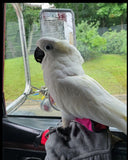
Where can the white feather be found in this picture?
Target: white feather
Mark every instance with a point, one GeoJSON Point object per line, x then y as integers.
{"type": "Point", "coordinates": [76, 94]}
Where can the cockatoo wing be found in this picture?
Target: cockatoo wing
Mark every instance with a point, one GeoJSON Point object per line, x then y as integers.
{"type": "Point", "coordinates": [84, 97]}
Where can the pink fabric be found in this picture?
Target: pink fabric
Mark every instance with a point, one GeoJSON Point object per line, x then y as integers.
{"type": "Point", "coordinates": [85, 122]}
{"type": "Point", "coordinates": [91, 125]}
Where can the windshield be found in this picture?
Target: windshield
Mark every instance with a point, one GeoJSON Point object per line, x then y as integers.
{"type": "Point", "coordinates": [100, 39]}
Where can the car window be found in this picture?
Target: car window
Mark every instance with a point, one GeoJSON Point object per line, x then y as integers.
{"type": "Point", "coordinates": [102, 47]}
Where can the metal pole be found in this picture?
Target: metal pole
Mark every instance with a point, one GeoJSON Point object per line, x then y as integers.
{"type": "Point", "coordinates": [15, 104]}
{"type": "Point", "coordinates": [24, 46]}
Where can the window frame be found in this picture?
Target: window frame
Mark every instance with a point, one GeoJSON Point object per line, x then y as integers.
{"type": "Point", "coordinates": [16, 103]}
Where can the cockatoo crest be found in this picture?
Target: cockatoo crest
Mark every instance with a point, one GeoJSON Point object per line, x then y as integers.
{"type": "Point", "coordinates": [53, 46]}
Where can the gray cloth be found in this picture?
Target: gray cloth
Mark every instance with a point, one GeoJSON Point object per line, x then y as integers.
{"type": "Point", "coordinates": [78, 143]}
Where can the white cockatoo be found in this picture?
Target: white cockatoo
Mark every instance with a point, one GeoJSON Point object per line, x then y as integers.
{"type": "Point", "coordinates": [76, 94]}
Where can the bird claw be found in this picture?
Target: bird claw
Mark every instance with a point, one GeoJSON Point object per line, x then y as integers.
{"type": "Point", "coordinates": [60, 131]}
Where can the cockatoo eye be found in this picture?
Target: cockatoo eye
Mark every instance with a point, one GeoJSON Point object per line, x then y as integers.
{"type": "Point", "coordinates": [39, 55]}
{"type": "Point", "coordinates": [48, 47]}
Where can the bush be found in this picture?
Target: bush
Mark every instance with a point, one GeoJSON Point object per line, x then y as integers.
{"type": "Point", "coordinates": [89, 42]}
{"type": "Point", "coordinates": [116, 42]}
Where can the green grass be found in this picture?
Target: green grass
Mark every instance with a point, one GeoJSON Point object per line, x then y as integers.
{"type": "Point", "coordinates": [14, 76]}
{"type": "Point", "coordinates": [108, 70]}
{"type": "Point", "coordinates": [14, 79]}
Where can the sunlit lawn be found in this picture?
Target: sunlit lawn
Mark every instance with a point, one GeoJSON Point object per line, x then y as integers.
{"type": "Point", "coordinates": [108, 70]}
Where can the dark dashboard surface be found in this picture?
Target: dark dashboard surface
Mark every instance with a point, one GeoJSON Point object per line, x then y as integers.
{"type": "Point", "coordinates": [39, 123]}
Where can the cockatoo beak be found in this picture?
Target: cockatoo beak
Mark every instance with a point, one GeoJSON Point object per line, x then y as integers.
{"type": "Point", "coordinates": [39, 55]}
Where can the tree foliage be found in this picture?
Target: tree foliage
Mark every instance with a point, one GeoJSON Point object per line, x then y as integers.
{"type": "Point", "coordinates": [30, 14]}
{"type": "Point", "coordinates": [106, 13]}
{"type": "Point", "coordinates": [89, 42]}
{"type": "Point", "coordinates": [82, 11]}
{"type": "Point", "coordinates": [116, 42]}
{"type": "Point", "coordinates": [112, 9]}
{"type": "Point", "coordinates": [112, 13]}
{"type": "Point", "coordinates": [88, 17]}
{"type": "Point", "coordinates": [10, 13]}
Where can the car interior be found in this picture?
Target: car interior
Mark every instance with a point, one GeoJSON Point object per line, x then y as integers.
{"type": "Point", "coordinates": [23, 123]}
